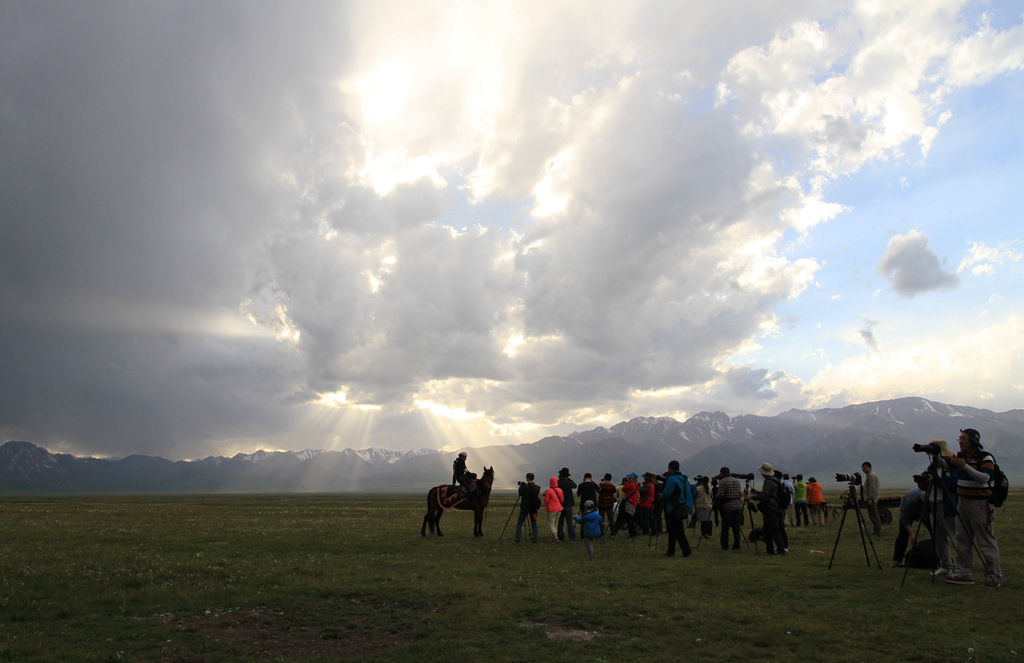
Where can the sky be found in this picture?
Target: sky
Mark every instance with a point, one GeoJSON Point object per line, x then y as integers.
{"type": "Point", "coordinates": [230, 226]}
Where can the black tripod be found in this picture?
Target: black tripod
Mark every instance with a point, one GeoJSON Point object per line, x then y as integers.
{"type": "Point", "coordinates": [851, 500]}
{"type": "Point", "coordinates": [509, 518]}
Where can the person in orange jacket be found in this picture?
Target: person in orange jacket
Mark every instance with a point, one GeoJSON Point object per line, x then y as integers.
{"type": "Point", "coordinates": [553, 499]}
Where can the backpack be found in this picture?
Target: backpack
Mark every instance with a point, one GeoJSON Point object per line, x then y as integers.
{"type": "Point", "coordinates": [922, 555]}
{"type": "Point", "coordinates": [1000, 485]}
{"type": "Point", "coordinates": [783, 496]}
{"type": "Point", "coordinates": [689, 495]}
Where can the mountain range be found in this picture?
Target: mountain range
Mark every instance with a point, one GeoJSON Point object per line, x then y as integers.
{"type": "Point", "coordinates": [817, 443]}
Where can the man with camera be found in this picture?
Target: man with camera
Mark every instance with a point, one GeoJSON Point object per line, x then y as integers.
{"type": "Point", "coordinates": [869, 494]}
{"type": "Point", "coordinates": [912, 509]}
{"type": "Point", "coordinates": [729, 500]}
{"type": "Point", "coordinates": [529, 503]}
{"type": "Point", "coordinates": [768, 504]}
{"type": "Point", "coordinates": [975, 468]}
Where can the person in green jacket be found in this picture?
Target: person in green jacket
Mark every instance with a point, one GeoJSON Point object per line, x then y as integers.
{"type": "Point", "coordinates": [800, 500]}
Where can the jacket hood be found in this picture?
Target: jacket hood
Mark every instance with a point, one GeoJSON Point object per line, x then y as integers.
{"type": "Point", "coordinates": [553, 482]}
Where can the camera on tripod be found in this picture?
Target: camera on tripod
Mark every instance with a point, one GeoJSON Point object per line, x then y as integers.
{"type": "Point", "coordinates": [749, 476]}
{"type": "Point", "coordinates": [852, 479]}
{"type": "Point", "coordinates": [932, 448]}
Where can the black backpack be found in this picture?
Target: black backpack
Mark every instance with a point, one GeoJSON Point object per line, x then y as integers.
{"type": "Point", "coordinates": [922, 555]}
{"type": "Point", "coordinates": [782, 497]}
{"type": "Point", "coordinates": [1000, 485]}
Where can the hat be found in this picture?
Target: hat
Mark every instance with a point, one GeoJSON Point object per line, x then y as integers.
{"type": "Point", "coordinates": [462, 454]}
{"type": "Point", "coordinates": [633, 476]}
{"type": "Point", "coordinates": [589, 504]}
{"type": "Point", "coordinates": [974, 436]}
{"type": "Point", "coordinates": [766, 470]}
{"type": "Point", "coordinates": [564, 472]}
{"type": "Point", "coordinates": [946, 451]}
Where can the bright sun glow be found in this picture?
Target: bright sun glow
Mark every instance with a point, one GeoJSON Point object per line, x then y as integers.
{"type": "Point", "coordinates": [441, 410]}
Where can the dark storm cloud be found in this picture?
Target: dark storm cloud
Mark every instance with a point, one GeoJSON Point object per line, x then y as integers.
{"type": "Point", "coordinates": [136, 139]}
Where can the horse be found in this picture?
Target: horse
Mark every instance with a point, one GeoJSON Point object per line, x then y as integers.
{"type": "Point", "coordinates": [477, 503]}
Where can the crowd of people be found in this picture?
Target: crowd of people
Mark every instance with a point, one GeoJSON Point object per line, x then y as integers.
{"type": "Point", "coordinates": [669, 503]}
{"type": "Point", "coordinates": [950, 498]}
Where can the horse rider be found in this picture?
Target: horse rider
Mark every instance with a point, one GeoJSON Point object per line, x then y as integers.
{"type": "Point", "coordinates": [459, 474]}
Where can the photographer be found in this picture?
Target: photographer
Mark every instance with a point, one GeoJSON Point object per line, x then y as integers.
{"type": "Point", "coordinates": [702, 506]}
{"type": "Point", "coordinates": [800, 501]}
{"type": "Point", "coordinates": [588, 489]}
{"type": "Point", "coordinates": [529, 503]}
{"type": "Point", "coordinates": [645, 505]}
{"type": "Point", "coordinates": [869, 494]}
{"type": "Point", "coordinates": [678, 504]}
{"type": "Point", "coordinates": [568, 488]}
{"type": "Point", "coordinates": [975, 470]}
{"type": "Point", "coordinates": [729, 501]}
{"type": "Point", "coordinates": [606, 491]}
{"type": "Point", "coordinates": [912, 509]}
{"type": "Point", "coordinates": [767, 499]}
{"type": "Point", "coordinates": [942, 502]}
{"type": "Point", "coordinates": [816, 503]}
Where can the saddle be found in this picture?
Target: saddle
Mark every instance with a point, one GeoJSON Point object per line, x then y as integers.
{"type": "Point", "coordinates": [449, 497]}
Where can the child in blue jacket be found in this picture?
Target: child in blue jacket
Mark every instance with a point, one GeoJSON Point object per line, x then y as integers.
{"type": "Point", "coordinates": [590, 519]}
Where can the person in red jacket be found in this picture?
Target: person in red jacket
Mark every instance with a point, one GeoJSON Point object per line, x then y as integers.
{"type": "Point", "coordinates": [553, 499]}
{"type": "Point", "coordinates": [645, 505]}
{"type": "Point", "coordinates": [627, 508]}
{"type": "Point", "coordinates": [815, 502]}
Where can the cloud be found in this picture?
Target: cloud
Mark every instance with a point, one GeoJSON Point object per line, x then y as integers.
{"type": "Point", "coordinates": [911, 267]}
{"type": "Point", "coordinates": [867, 334]}
{"type": "Point", "coordinates": [406, 225]}
{"type": "Point", "coordinates": [982, 259]}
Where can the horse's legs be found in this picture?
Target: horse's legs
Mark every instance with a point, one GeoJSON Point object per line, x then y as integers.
{"type": "Point", "coordinates": [437, 522]}
{"type": "Point", "coordinates": [478, 522]}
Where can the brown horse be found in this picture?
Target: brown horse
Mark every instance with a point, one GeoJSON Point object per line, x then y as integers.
{"type": "Point", "coordinates": [477, 503]}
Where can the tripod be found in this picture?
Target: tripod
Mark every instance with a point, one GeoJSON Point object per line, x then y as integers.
{"type": "Point", "coordinates": [512, 511]}
{"type": "Point", "coordinates": [865, 539]}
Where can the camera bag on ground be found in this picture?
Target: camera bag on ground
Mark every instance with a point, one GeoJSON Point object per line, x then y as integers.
{"type": "Point", "coordinates": [922, 556]}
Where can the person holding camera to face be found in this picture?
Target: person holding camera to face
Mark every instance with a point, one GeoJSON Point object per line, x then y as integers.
{"type": "Point", "coordinates": [976, 469]}
{"type": "Point", "coordinates": [768, 504]}
{"type": "Point", "coordinates": [529, 503]}
{"type": "Point", "coordinates": [729, 500]}
{"type": "Point", "coordinates": [568, 488]}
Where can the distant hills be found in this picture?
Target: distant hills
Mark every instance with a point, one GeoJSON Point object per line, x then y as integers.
{"type": "Point", "coordinates": [815, 443]}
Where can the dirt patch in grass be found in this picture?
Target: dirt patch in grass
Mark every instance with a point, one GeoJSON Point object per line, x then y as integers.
{"type": "Point", "coordinates": [555, 631]}
{"type": "Point", "coordinates": [340, 630]}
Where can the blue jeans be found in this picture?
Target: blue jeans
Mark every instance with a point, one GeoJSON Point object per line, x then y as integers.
{"type": "Point", "coordinates": [565, 517]}
{"type": "Point", "coordinates": [523, 515]}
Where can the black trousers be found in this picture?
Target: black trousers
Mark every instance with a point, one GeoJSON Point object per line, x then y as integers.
{"type": "Point", "coordinates": [677, 533]}
{"type": "Point", "coordinates": [732, 519]}
{"type": "Point", "coordinates": [773, 539]}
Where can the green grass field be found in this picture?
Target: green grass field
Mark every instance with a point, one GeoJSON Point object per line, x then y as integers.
{"type": "Point", "coordinates": [320, 578]}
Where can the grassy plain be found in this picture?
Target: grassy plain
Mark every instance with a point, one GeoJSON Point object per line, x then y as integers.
{"type": "Point", "coordinates": [321, 578]}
